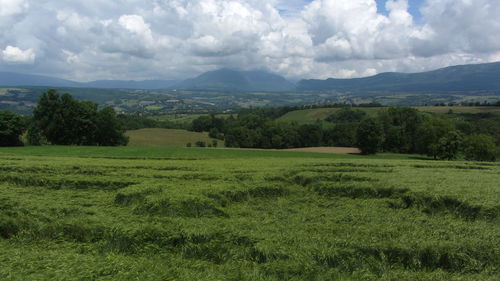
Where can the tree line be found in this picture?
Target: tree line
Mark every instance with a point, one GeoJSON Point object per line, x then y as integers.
{"type": "Point", "coordinates": [393, 129]}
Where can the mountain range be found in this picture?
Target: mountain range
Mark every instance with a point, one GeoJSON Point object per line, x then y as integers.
{"type": "Point", "coordinates": [462, 78]}
{"type": "Point", "coordinates": [9, 79]}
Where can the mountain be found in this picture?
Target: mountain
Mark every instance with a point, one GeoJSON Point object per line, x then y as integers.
{"type": "Point", "coordinates": [9, 79]}
{"type": "Point", "coordinates": [239, 81]}
{"type": "Point", "coordinates": [461, 78]}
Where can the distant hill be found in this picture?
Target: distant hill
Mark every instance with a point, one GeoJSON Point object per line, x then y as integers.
{"type": "Point", "coordinates": [462, 78]}
{"type": "Point", "coordinates": [239, 81]}
{"type": "Point", "coordinates": [9, 79]}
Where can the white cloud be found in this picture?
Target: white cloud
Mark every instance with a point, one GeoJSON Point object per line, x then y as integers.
{"type": "Point", "coordinates": [135, 24]}
{"type": "Point", "coordinates": [130, 39]}
{"type": "Point", "coordinates": [15, 55]}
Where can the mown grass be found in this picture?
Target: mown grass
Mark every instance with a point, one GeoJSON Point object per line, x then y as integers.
{"type": "Point", "coordinates": [244, 215]}
{"type": "Point", "coordinates": [168, 137]}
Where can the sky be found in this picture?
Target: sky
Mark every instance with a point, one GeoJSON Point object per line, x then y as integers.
{"type": "Point", "coordinates": [177, 39]}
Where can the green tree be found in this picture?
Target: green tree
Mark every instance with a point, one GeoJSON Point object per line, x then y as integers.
{"type": "Point", "coordinates": [342, 134]}
{"type": "Point", "coordinates": [11, 128]}
{"type": "Point", "coordinates": [369, 136]}
{"type": "Point", "coordinates": [429, 133]}
{"type": "Point", "coordinates": [479, 147]}
{"type": "Point", "coordinates": [400, 126]}
{"type": "Point", "coordinates": [63, 120]}
{"type": "Point", "coordinates": [346, 115]}
{"type": "Point", "coordinates": [310, 135]}
{"type": "Point", "coordinates": [202, 124]}
{"type": "Point", "coordinates": [109, 129]}
{"type": "Point", "coordinates": [449, 146]}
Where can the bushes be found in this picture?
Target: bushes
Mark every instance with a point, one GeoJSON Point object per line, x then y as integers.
{"type": "Point", "coordinates": [11, 128]}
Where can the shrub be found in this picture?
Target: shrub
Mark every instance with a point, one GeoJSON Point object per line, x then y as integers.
{"type": "Point", "coordinates": [201, 144]}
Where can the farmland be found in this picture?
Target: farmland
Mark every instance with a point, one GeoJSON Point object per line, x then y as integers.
{"type": "Point", "coordinates": [136, 213]}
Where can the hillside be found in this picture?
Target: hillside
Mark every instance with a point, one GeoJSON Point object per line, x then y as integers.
{"type": "Point", "coordinates": [240, 81]}
{"type": "Point", "coordinates": [462, 78]}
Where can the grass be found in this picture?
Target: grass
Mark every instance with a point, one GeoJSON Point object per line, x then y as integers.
{"type": "Point", "coordinates": [159, 213]}
{"type": "Point", "coordinates": [167, 137]}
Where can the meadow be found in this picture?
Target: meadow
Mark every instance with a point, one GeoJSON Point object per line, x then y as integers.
{"type": "Point", "coordinates": [160, 213]}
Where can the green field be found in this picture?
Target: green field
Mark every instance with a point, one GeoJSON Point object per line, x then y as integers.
{"type": "Point", "coordinates": [162, 213]}
{"type": "Point", "coordinates": [311, 115]}
{"type": "Point", "coordinates": [168, 137]}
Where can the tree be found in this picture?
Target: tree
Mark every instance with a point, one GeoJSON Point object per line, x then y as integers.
{"type": "Point", "coordinates": [479, 147]}
{"type": "Point", "coordinates": [369, 136]}
{"type": "Point", "coordinates": [63, 120]}
{"type": "Point", "coordinates": [310, 135]}
{"type": "Point", "coordinates": [342, 134]}
{"type": "Point", "coordinates": [11, 128]}
{"type": "Point", "coordinates": [400, 128]}
{"type": "Point", "coordinates": [449, 146]}
{"type": "Point", "coordinates": [202, 124]}
{"type": "Point", "coordinates": [429, 133]}
{"type": "Point", "coordinates": [109, 130]}
{"type": "Point", "coordinates": [346, 115]}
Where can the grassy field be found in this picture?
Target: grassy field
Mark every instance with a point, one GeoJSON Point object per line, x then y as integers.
{"type": "Point", "coordinates": [311, 115]}
{"type": "Point", "coordinates": [168, 137]}
{"type": "Point", "coordinates": [158, 213]}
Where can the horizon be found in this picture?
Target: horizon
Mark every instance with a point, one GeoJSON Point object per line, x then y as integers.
{"type": "Point", "coordinates": [233, 69]}
{"type": "Point", "coordinates": [319, 39]}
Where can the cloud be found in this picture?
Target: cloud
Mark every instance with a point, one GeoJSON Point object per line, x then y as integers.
{"type": "Point", "coordinates": [135, 24]}
{"type": "Point", "coordinates": [127, 39]}
{"type": "Point", "coordinates": [12, 7]}
{"type": "Point", "coordinates": [17, 56]}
